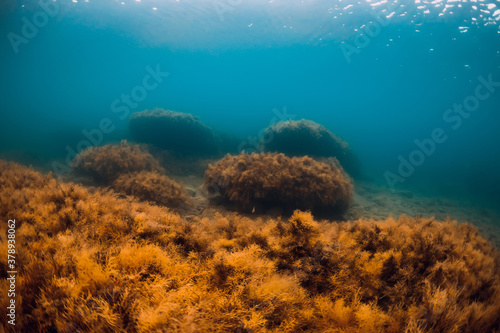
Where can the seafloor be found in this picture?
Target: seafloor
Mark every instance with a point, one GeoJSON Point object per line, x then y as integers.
{"type": "Point", "coordinates": [372, 200]}
{"type": "Point", "coordinates": [123, 245]}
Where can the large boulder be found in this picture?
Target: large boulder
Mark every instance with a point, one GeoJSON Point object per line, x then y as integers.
{"type": "Point", "coordinates": [269, 180]}
{"type": "Point", "coordinates": [153, 187]}
{"type": "Point", "coordinates": [305, 137]}
{"type": "Point", "coordinates": [182, 133]}
{"type": "Point", "coordinates": [105, 164]}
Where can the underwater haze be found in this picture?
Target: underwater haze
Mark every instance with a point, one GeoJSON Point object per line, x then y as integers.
{"type": "Point", "coordinates": [412, 86]}
{"type": "Point", "coordinates": [250, 166]}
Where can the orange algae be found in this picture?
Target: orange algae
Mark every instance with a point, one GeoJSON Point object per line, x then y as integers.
{"type": "Point", "coordinates": [269, 179]}
{"type": "Point", "coordinates": [153, 187]}
{"type": "Point", "coordinates": [93, 262]}
{"type": "Point", "coordinates": [108, 162]}
{"type": "Point", "coordinates": [132, 170]}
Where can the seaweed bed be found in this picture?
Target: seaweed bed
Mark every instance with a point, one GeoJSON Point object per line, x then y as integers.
{"type": "Point", "coordinates": [92, 260]}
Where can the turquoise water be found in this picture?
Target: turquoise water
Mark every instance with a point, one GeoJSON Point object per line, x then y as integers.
{"type": "Point", "coordinates": [380, 75]}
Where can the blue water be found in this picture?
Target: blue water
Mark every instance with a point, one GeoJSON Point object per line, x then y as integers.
{"type": "Point", "coordinates": [231, 63]}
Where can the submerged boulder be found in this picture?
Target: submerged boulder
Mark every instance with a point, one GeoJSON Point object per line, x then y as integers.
{"type": "Point", "coordinates": [132, 170]}
{"type": "Point", "coordinates": [180, 132]}
{"type": "Point", "coordinates": [269, 180]}
{"type": "Point", "coordinates": [154, 187]}
{"type": "Point", "coordinates": [105, 164]}
{"type": "Point", "coordinates": [305, 137]}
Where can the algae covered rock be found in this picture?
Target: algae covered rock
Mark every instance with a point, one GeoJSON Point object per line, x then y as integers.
{"type": "Point", "coordinates": [153, 187]}
{"type": "Point", "coordinates": [270, 179]}
{"type": "Point", "coordinates": [305, 137]}
{"type": "Point", "coordinates": [104, 164]}
{"type": "Point", "coordinates": [179, 132]}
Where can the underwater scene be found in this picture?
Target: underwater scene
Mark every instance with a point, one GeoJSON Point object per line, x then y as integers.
{"type": "Point", "coordinates": [250, 166]}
